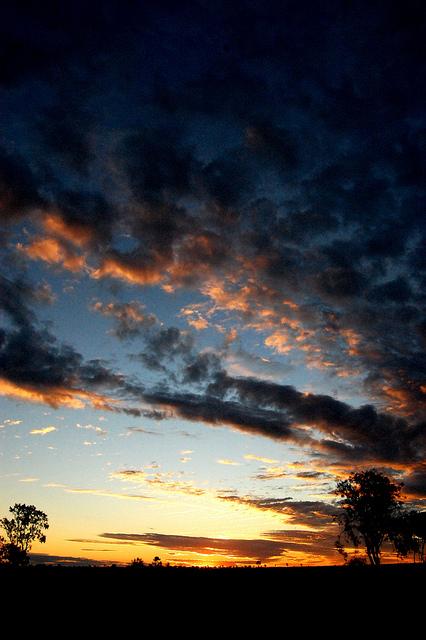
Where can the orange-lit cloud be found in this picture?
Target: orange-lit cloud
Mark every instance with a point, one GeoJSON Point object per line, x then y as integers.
{"type": "Point", "coordinates": [353, 339]}
{"type": "Point", "coordinates": [53, 251]}
{"type": "Point", "coordinates": [114, 268]}
{"type": "Point", "coordinates": [279, 341]}
{"type": "Point", "coordinates": [198, 323]}
{"type": "Point", "coordinates": [400, 399]}
{"type": "Point", "coordinates": [55, 396]}
{"type": "Point", "coordinates": [229, 300]}
{"type": "Point", "coordinates": [75, 233]}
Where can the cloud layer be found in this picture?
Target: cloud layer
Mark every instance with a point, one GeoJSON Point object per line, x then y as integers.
{"type": "Point", "coordinates": [260, 167]}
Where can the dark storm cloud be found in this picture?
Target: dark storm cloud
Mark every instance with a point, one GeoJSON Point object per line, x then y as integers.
{"type": "Point", "coordinates": [357, 433]}
{"type": "Point", "coordinates": [33, 357]}
{"type": "Point", "coordinates": [415, 481]}
{"type": "Point", "coordinates": [165, 345]}
{"type": "Point", "coordinates": [202, 367]}
{"type": "Point", "coordinates": [214, 411]}
{"type": "Point", "coordinates": [254, 549]}
{"type": "Point", "coordinates": [66, 128]}
{"type": "Point", "coordinates": [35, 366]}
{"type": "Point", "coordinates": [275, 145]}
{"type": "Point", "coordinates": [45, 41]}
{"type": "Point", "coordinates": [157, 167]}
{"type": "Point", "coordinates": [89, 213]}
{"type": "Point", "coordinates": [281, 412]}
{"type": "Point", "coordinates": [15, 297]}
{"type": "Point", "coordinates": [18, 187]}
{"type": "Point", "coordinates": [245, 143]}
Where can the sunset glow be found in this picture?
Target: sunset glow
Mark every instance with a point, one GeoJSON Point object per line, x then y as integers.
{"type": "Point", "coordinates": [213, 274]}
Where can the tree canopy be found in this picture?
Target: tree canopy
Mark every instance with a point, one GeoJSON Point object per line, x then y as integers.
{"type": "Point", "coordinates": [409, 534]}
{"type": "Point", "coordinates": [27, 526]}
{"type": "Point", "coordinates": [370, 503]}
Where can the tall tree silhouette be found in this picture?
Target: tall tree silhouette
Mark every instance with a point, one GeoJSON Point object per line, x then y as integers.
{"type": "Point", "coordinates": [369, 504]}
{"type": "Point", "coordinates": [409, 534]}
{"type": "Point", "coordinates": [27, 526]}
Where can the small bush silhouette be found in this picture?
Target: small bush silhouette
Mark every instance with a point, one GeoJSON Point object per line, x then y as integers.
{"type": "Point", "coordinates": [137, 563]}
{"type": "Point", "coordinates": [357, 561]}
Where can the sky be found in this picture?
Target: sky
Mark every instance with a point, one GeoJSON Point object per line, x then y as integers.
{"type": "Point", "coordinates": [213, 272]}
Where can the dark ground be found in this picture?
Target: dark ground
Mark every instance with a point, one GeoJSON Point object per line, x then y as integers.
{"type": "Point", "coordinates": [83, 601]}
{"type": "Point", "coordinates": [290, 579]}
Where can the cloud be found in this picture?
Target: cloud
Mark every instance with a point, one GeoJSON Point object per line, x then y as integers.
{"type": "Point", "coordinates": [130, 320]}
{"type": "Point", "coordinates": [36, 367]}
{"type": "Point", "coordinates": [251, 456]}
{"type": "Point", "coordinates": [164, 481]}
{"type": "Point", "coordinates": [92, 427]}
{"type": "Point", "coordinates": [316, 546]}
{"type": "Point", "coordinates": [272, 473]}
{"type": "Point", "coordinates": [315, 514]}
{"type": "Point", "coordinates": [281, 412]}
{"type": "Point", "coordinates": [232, 549]}
{"type": "Point", "coordinates": [19, 195]}
{"type": "Point", "coordinates": [106, 494]}
{"type": "Point", "coordinates": [52, 559]}
{"type": "Point", "coordinates": [53, 251]}
{"type": "Point", "coordinates": [227, 461]}
{"type": "Point", "coordinates": [414, 482]}
{"type": "Point", "coordinates": [214, 411]}
{"type": "Point", "coordinates": [10, 423]}
{"type": "Point", "coordinates": [165, 344]}
{"type": "Point", "coordinates": [319, 196]}
{"type": "Point", "coordinates": [42, 432]}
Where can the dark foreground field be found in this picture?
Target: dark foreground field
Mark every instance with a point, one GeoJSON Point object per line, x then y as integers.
{"type": "Point", "coordinates": [338, 602]}
{"type": "Point", "coordinates": [293, 580]}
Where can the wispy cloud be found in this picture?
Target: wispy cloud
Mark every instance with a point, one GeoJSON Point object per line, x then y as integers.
{"type": "Point", "coordinates": [43, 431]}
{"type": "Point", "coordinates": [251, 456]}
{"type": "Point", "coordinates": [9, 423]}
{"type": "Point", "coordinates": [107, 494]}
{"type": "Point", "coordinates": [164, 481]}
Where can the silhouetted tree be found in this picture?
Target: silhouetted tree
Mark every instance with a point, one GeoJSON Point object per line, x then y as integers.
{"type": "Point", "coordinates": [409, 534]}
{"type": "Point", "coordinates": [157, 562]}
{"type": "Point", "coordinates": [137, 563]}
{"type": "Point", "coordinates": [27, 526]}
{"type": "Point", "coordinates": [357, 561]}
{"type": "Point", "coordinates": [419, 532]}
{"type": "Point", "coordinates": [369, 505]}
{"type": "Point", "coordinates": [11, 554]}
